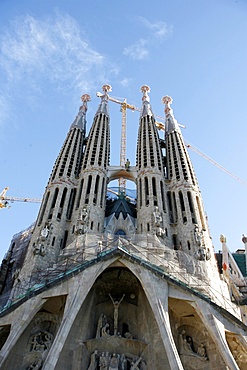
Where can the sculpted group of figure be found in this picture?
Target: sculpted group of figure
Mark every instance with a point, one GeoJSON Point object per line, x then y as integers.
{"type": "Point", "coordinates": [103, 327]}
{"type": "Point", "coordinates": [115, 361]}
{"type": "Point", "coordinates": [186, 347]}
{"type": "Point", "coordinates": [40, 343]}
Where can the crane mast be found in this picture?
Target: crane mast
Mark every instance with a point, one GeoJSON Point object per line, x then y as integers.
{"type": "Point", "coordinates": [123, 109]}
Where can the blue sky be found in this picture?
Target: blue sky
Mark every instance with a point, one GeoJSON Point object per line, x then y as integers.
{"type": "Point", "coordinates": [53, 51]}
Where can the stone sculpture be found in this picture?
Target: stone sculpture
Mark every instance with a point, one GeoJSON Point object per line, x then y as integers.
{"type": "Point", "coordinates": [115, 314]}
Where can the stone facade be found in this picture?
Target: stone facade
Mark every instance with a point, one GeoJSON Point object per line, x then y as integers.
{"type": "Point", "coordinates": [110, 282]}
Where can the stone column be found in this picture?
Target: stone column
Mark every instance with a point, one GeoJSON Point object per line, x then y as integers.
{"type": "Point", "coordinates": [217, 332]}
{"type": "Point", "coordinates": [157, 294]}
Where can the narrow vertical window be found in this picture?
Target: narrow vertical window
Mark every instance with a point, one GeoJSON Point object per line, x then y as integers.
{"type": "Point", "coordinates": [140, 192]}
{"type": "Point", "coordinates": [146, 191]}
{"type": "Point", "coordinates": [154, 191]}
{"type": "Point", "coordinates": [191, 205]}
{"type": "Point", "coordinates": [43, 208]}
{"type": "Point", "coordinates": [53, 203]}
{"type": "Point", "coordinates": [96, 190]}
{"type": "Point", "coordinates": [64, 240]}
{"type": "Point", "coordinates": [59, 214]}
{"type": "Point", "coordinates": [71, 203]}
{"type": "Point", "coordinates": [102, 193]}
{"type": "Point", "coordinates": [162, 196]}
{"type": "Point", "coordinates": [89, 183]}
{"type": "Point", "coordinates": [181, 199]}
{"type": "Point", "coordinates": [175, 208]}
{"type": "Point", "coordinates": [169, 200]}
{"type": "Point", "coordinates": [79, 194]}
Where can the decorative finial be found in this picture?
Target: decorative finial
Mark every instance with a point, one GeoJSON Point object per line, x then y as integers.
{"type": "Point", "coordinates": [222, 238]}
{"type": "Point", "coordinates": [85, 98]}
{"type": "Point", "coordinates": [244, 239]}
{"type": "Point", "coordinates": [167, 100]}
{"type": "Point", "coordinates": [106, 88]}
{"type": "Point", "coordinates": [145, 89]}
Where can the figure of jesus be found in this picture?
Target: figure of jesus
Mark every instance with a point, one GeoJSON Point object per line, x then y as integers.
{"type": "Point", "coordinates": [115, 314]}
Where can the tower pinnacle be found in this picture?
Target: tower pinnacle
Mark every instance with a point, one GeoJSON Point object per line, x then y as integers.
{"type": "Point", "coordinates": [85, 98]}
{"type": "Point", "coordinates": [145, 89]}
{"type": "Point", "coordinates": [103, 106]}
{"type": "Point", "coordinates": [171, 122]}
{"type": "Point", "coordinates": [146, 108]}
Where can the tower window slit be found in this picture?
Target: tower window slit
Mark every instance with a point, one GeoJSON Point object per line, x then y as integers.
{"type": "Point", "coordinates": [175, 208]}
{"type": "Point", "coordinates": [191, 205]}
{"type": "Point", "coordinates": [79, 194]}
{"type": "Point", "coordinates": [140, 192]}
{"type": "Point", "coordinates": [89, 183]}
{"type": "Point", "coordinates": [96, 189]}
{"type": "Point", "coordinates": [146, 191]}
{"type": "Point", "coordinates": [154, 191]}
{"type": "Point", "coordinates": [181, 199]}
{"type": "Point", "coordinates": [43, 208]}
{"type": "Point", "coordinates": [71, 203]}
{"type": "Point", "coordinates": [59, 214]}
{"type": "Point", "coordinates": [54, 200]}
{"type": "Point", "coordinates": [64, 240]}
{"type": "Point", "coordinates": [169, 199]}
{"type": "Point", "coordinates": [102, 193]}
{"type": "Point", "coordinates": [162, 196]}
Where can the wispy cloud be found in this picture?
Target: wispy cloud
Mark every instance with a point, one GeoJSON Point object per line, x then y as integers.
{"type": "Point", "coordinates": [157, 32]}
{"type": "Point", "coordinates": [34, 48]}
{"type": "Point", "coordinates": [137, 51]}
{"type": "Point", "coordinates": [158, 29]}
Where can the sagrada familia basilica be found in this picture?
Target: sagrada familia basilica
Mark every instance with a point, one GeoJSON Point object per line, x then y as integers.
{"type": "Point", "coordinates": [122, 280]}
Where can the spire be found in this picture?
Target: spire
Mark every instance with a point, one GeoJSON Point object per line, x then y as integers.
{"type": "Point", "coordinates": [103, 106]}
{"type": "Point", "coordinates": [171, 122]}
{"type": "Point", "coordinates": [80, 119]}
{"type": "Point", "coordinates": [146, 109]}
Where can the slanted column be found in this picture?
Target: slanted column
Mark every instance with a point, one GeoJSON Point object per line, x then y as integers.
{"type": "Point", "coordinates": [157, 295]}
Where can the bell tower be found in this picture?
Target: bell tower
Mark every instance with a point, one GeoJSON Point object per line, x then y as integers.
{"type": "Point", "coordinates": [152, 216]}
{"type": "Point", "coordinates": [91, 199]}
{"type": "Point", "coordinates": [185, 208]}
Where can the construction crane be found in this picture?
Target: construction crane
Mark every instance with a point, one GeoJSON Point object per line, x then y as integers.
{"type": "Point", "coordinates": [123, 160]}
{"type": "Point", "coordinates": [124, 106]}
{"type": "Point", "coordinates": [4, 199]}
{"type": "Point", "coordinates": [161, 126]}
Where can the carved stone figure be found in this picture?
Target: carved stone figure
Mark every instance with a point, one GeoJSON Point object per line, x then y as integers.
{"type": "Point", "coordinates": [186, 347]}
{"type": "Point", "coordinates": [82, 221]}
{"type": "Point", "coordinates": [127, 164]}
{"type": "Point", "coordinates": [123, 362]}
{"type": "Point", "coordinates": [105, 332]}
{"type": "Point", "coordinates": [101, 323]}
{"type": "Point", "coordinates": [39, 249]}
{"type": "Point", "coordinates": [198, 236]}
{"type": "Point", "coordinates": [134, 365]}
{"type": "Point", "coordinates": [158, 222]}
{"type": "Point", "coordinates": [128, 335]}
{"type": "Point", "coordinates": [94, 360]}
{"type": "Point", "coordinates": [114, 362]}
{"type": "Point", "coordinates": [41, 341]}
{"type": "Point", "coordinates": [37, 366]}
{"type": "Point", "coordinates": [103, 362]}
{"type": "Point", "coordinates": [100, 246]}
{"type": "Point", "coordinates": [201, 351]}
{"type": "Point", "coordinates": [45, 232]}
{"type": "Point", "coordinates": [115, 314]}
